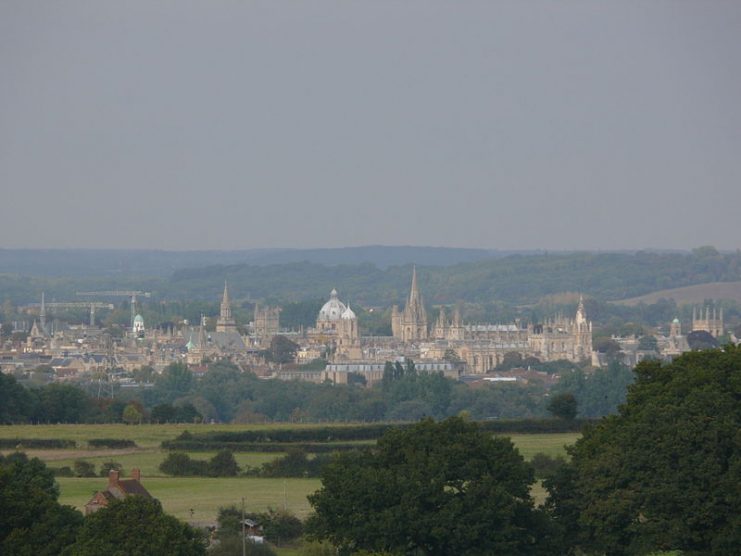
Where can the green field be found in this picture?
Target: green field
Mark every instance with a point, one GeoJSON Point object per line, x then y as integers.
{"type": "Point", "coordinates": [204, 496]}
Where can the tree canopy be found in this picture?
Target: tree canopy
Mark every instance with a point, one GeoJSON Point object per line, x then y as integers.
{"type": "Point", "coordinates": [32, 522]}
{"type": "Point", "coordinates": [664, 473]}
{"type": "Point", "coordinates": [434, 488]}
{"type": "Point", "coordinates": [136, 525]}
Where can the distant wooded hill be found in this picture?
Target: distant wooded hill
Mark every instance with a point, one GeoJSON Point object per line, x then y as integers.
{"type": "Point", "coordinates": [516, 279]}
{"type": "Point", "coordinates": [142, 262]}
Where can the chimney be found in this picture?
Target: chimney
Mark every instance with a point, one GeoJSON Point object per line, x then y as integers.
{"type": "Point", "coordinates": [112, 478]}
{"type": "Point", "coordinates": [136, 474]}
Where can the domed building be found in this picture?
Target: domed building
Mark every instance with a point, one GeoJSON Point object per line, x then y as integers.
{"type": "Point", "coordinates": [138, 326]}
{"type": "Point", "coordinates": [339, 323]}
{"type": "Point", "coordinates": [330, 314]}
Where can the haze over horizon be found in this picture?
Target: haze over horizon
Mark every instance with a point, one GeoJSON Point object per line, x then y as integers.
{"type": "Point", "coordinates": [505, 125]}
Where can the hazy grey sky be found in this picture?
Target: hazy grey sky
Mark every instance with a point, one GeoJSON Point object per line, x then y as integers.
{"type": "Point", "coordinates": [238, 124]}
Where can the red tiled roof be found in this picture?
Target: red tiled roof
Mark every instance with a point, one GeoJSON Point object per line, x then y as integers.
{"type": "Point", "coordinates": [132, 486]}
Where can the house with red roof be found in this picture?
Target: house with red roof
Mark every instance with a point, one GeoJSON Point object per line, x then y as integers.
{"type": "Point", "coordinates": [117, 489]}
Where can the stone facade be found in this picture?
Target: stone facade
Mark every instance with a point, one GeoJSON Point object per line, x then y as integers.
{"type": "Point", "coordinates": [225, 322]}
{"type": "Point", "coordinates": [410, 325]}
{"type": "Point", "coordinates": [707, 321]}
{"type": "Point", "coordinates": [267, 324]}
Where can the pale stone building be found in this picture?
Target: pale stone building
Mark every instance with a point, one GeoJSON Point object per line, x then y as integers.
{"type": "Point", "coordinates": [267, 324]}
{"type": "Point", "coordinates": [707, 321]}
{"type": "Point", "coordinates": [225, 322]}
{"type": "Point", "coordinates": [410, 325]}
{"type": "Point", "coordinates": [483, 346]}
{"type": "Point", "coordinates": [562, 338]}
{"type": "Point", "coordinates": [337, 326]}
{"type": "Point", "coordinates": [675, 343]}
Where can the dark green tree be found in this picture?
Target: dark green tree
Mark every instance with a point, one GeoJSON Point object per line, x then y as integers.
{"type": "Point", "coordinates": [700, 339]}
{"type": "Point", "coordinates": [664, 473]}
{"type": "Point", "coordinates": [136, 525]}
{"type": "Point", "coordinates": [108, 466]}
{"type": "Point", "coordinates": [164, 413]}
{"type": "Point", "coordinates": [223, 464]}
{"type": "Point", "coordinates": [63, 403]}
{"type": "Point", "coordinates": [16, 403]}
{"type": "Point", "coordinates": [433, 488]}
{"type": "Point", "coordinates": [180, 464]}
{"type": "Point", "coordinates": [84, 468]}
{"type": "Point", "coordinates": [175, 381]}
{"type": "Point", "coordinates": [563, 406]}
{"type": "Point", "coordinates": [32, 522]}
{"type": "Point", "coordinates": [282, 350]}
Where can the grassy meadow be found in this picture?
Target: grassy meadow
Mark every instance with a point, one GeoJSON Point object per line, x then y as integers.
{"type": "Point", "coordinates": [197, 499]}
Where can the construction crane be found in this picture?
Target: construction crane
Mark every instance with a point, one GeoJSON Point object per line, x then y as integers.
{"type": "Point", "coordinates": [120, 293]}
{"type": "Point", "coordinates": [93, 305]}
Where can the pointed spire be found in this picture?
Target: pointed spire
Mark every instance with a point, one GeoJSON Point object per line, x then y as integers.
{"type": "Point", "coordinates": [414, 291]}
{"type": "Point", "coordinates": [225, 299]}
{"type": "Point", "coordinates": [42, 313]}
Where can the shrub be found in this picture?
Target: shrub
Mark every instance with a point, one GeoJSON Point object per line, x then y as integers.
{"type": "Point", "coordinates": [280, 526]}
{"type": "Point", "coordinates": [295, 464]}
{"type": "Point", "coordinates": [65, 471]}
{"type": "Point", "coordinates": [223, 464]}
{"type": "Point", "coordinates": [109, 466]}
{"type": "Point", "coordinates": [84, 468]}
{"type": "Point", "coordinates": [180, 464]}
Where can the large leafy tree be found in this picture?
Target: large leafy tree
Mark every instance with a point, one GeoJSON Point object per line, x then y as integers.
{"type": "Point", "coordinates": [434, 488]}
{"type": "Point", "coordinates": [665, 472]}
{"type": "Point", "coordinates": [136, 525]}
{"type": "Point", "coordinates": [32, 522]}
{"type": "Point", "coordinates": [16, 403]}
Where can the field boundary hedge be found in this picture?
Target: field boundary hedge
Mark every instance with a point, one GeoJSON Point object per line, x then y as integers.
{"type": "Point", "coordinates": [309, 447]}
{"type": "Point", "coordinates": [111, 443]}
{"type": "Point", "coordinates": [37, 443]}
{"type": "Point", "coordinates": [331, 438]}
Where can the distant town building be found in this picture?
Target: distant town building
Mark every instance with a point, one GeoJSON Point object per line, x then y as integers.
{"type": "Point", "coordinates": [410, 325]}
{"type": "Point", "coordinates": [707, 321]}
{"type": "Point", "coordinates": [266, 324]}
{"type": "Point", "coordinates": [225, 322]}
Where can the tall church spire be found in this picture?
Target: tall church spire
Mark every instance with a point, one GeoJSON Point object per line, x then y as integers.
{"type": "Point", "coordinates": [414, 296]}
{"type": "Point", "coordinates": [411, 324]}
{"type": "Point", "coordinates": [225, 304]}
{"type": "Point", "coordinates": [225, 322]}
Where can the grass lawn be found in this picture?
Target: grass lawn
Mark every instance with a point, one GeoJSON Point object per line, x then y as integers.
{"type": "Point", "coordinates": [552, 444]}
{"type": "Point", "coordinates": [204, 495]}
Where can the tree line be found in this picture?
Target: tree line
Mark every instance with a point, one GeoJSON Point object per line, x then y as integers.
{"type": "Point", "coordinates": [226, 394]}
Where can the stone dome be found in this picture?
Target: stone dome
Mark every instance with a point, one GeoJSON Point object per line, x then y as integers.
{"type": "Point", "coordinates": [332, 309]}
{"type": "Point", "coordinates": [138, 319]}
{"type": "Point", "coordinates": [348, 314]}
